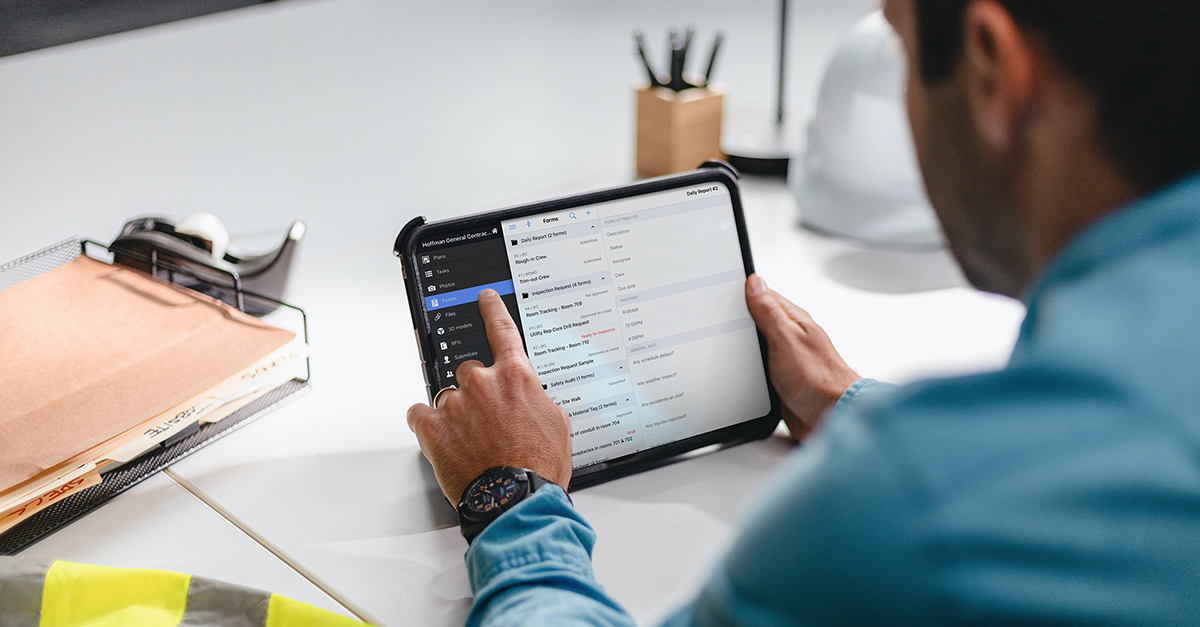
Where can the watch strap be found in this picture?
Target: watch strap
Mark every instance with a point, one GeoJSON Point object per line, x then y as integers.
{"type": "Point", "coordinates": [536, 481]}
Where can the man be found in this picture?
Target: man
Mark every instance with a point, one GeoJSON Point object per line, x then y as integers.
{"type": "Point", "coordinates": [1058, 142]}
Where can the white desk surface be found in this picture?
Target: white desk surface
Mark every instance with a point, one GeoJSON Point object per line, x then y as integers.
{"type": "Point", "coordinates": [354, 116]}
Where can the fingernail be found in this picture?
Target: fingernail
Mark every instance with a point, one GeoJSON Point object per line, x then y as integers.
{"type": "Point", "coordinates": [488, 292]}
{"type": "Point", "coordinates": [757, 285]}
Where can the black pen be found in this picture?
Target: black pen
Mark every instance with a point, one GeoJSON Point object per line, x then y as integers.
{"type": "Point", "coordinates": [672, 35]}
{"type": "Point", "coordinates": [641, 47]}
{"type": "Point", "coordinates": [712, 60]}
{"type": "Point", "coordinates": [677, 51]}
{"type": "Point", "coordinates": [687, 41]}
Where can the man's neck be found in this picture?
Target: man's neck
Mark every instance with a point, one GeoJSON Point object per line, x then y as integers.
{"type": "Point", "coordinates": [1070, 182]}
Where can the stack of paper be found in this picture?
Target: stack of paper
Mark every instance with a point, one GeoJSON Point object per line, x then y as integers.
{"type": "Point", "coordinates": [100, 364]}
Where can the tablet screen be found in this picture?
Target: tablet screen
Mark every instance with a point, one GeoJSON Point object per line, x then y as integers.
{"type": "Point", "coordinates": [633, 313]}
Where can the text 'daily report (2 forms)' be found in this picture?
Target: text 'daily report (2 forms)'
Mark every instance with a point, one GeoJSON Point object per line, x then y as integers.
{"type": "Point", "coordinates": [635, 319]}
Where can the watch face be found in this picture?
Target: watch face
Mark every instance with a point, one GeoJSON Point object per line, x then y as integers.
{"type": "Point", "coordinates": [492, 492]}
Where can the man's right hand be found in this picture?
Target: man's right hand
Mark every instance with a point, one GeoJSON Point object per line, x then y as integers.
{"type": "Point", "coordinates": [497, 416]}
{"type": "Point", "coordinates": [806, 369]}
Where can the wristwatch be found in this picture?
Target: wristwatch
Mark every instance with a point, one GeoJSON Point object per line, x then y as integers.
{"type": "Point", "coordinates": [494, 492]}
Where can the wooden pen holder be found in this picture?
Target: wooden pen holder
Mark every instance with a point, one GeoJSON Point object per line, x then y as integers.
{"type": "Point", "coordinates": [677, 131]}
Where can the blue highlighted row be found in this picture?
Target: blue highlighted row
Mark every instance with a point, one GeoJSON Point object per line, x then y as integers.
{"type": "Point", "coordinates": [469, 295]}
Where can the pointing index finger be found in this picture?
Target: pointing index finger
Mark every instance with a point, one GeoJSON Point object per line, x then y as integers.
{"type": "Point", "coordinates": [502, 333]}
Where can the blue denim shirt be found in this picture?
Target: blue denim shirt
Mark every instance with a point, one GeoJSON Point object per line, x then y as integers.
{"type": "Point", "coordinates": [1063, 489]}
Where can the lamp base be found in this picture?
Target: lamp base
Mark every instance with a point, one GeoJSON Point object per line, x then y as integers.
{"type": "Point", "coordinates": [756, 143]}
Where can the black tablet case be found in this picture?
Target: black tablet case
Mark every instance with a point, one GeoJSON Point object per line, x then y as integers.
{"type": "Point", "coordinates": [710, 171]}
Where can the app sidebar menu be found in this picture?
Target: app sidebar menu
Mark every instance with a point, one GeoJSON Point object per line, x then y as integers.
{"type": "Point", "coordinates": [451, 271]}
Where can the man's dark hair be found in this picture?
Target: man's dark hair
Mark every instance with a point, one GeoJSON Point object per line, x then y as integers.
{"type": "Point", "coordinates": [1139, 58]}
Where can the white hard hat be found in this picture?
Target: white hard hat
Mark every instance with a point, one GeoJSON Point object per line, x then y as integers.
{"type": "Point", "coordinates": [857, 176]}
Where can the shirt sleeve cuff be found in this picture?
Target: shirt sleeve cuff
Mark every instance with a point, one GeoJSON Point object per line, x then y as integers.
{"type": "Point", "coordinates": [861, 393]}
{"type": "Point", "coordinates": [542, 534]}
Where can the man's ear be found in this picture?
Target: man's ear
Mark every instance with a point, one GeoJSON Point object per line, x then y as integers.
{"type": "Point", "coordinates": [998, 72]}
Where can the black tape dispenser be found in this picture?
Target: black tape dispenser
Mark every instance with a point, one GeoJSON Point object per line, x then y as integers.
{"type": "Point", "coordinates": [195, 252]}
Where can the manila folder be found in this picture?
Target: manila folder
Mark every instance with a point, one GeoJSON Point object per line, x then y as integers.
{"type": "Point", "coordinates": [89, 350]}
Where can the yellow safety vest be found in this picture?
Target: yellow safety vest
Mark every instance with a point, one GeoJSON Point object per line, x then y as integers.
{"type": "Point", "coordinates": [37, 593]}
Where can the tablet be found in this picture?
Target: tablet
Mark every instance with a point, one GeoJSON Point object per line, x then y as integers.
{"type": "Point", "coordinates": [631, 303]}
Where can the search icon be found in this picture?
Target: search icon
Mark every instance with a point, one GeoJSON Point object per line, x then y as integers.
{"type": "Point", "coordinates": [572, 215]}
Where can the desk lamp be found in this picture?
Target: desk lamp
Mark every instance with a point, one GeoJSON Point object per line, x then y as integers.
{"type": "Point", "coordinates": [758, 141]}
